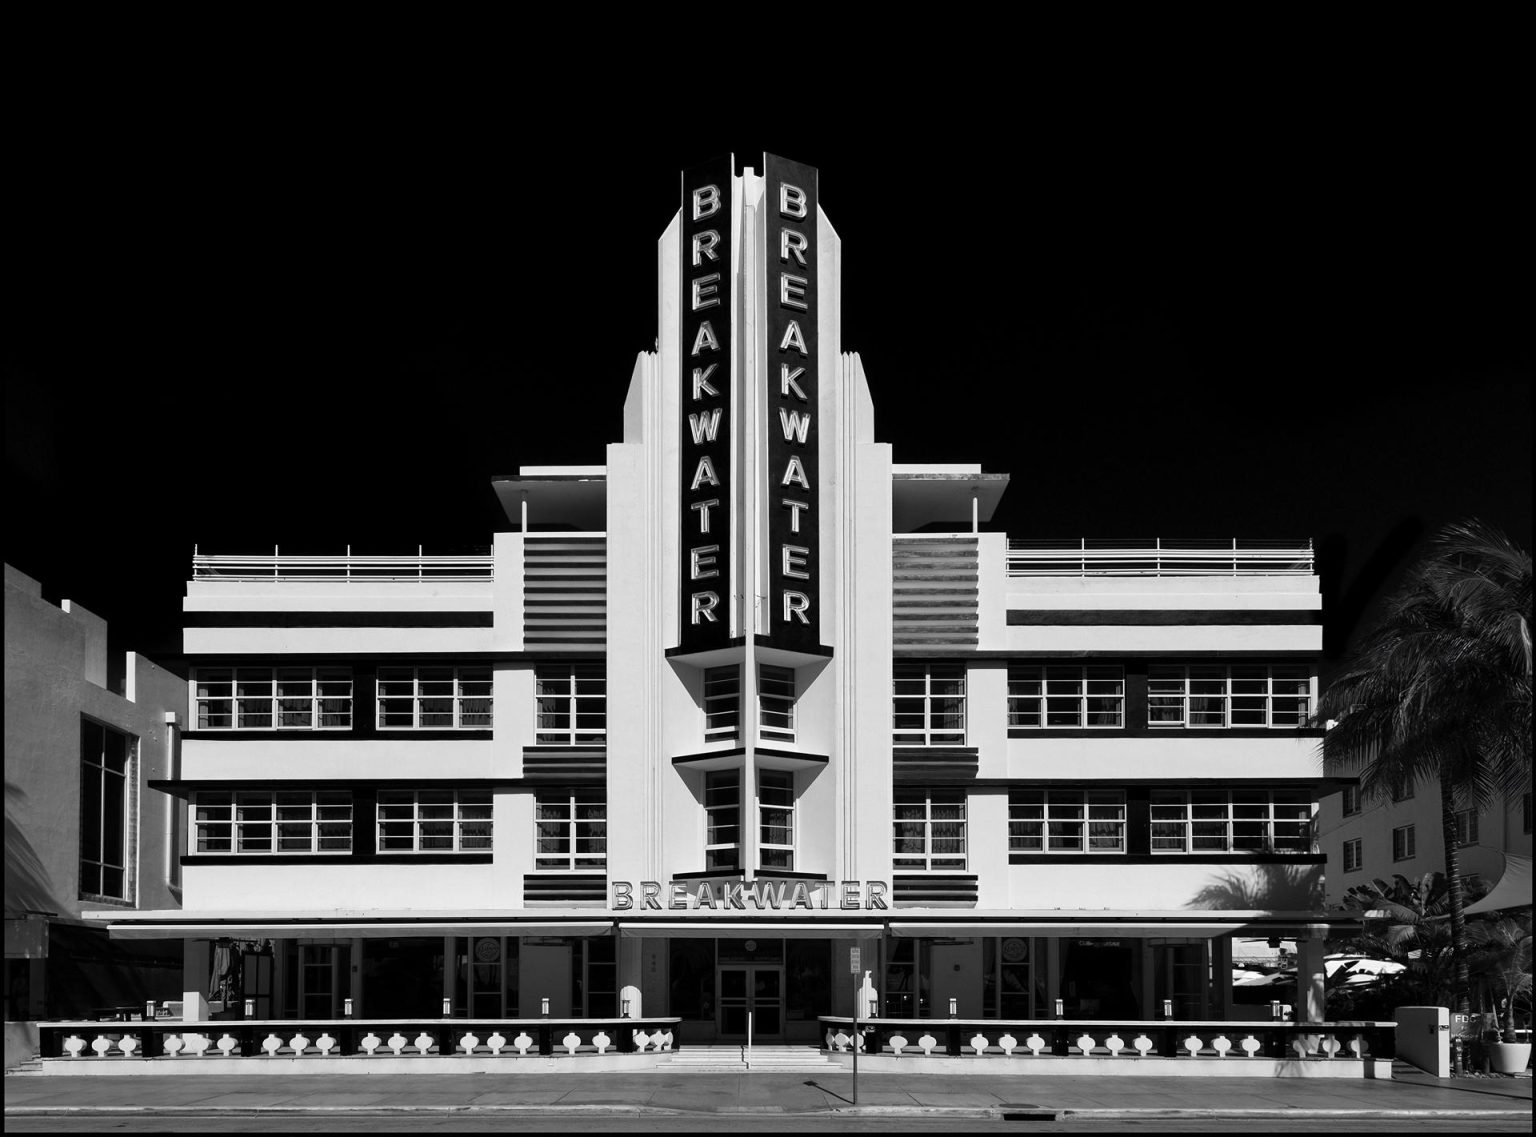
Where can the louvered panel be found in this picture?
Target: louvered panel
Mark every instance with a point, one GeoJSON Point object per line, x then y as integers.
{"type": "Point", "coordinates": [565, 591]}
{"type": "Point", "coordinates": [950, 890]}
{"type": "Point", "coordinates": [935, 585]}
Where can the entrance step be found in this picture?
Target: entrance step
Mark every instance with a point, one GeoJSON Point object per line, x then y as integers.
{"type": "Point", "coordinates": [704, 1058]}
{"type": "Point", "coordinates": [787, 1058]}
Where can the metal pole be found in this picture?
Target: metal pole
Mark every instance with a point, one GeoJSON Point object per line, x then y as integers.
{"type": "Point", "coordinates": [855, 1039]}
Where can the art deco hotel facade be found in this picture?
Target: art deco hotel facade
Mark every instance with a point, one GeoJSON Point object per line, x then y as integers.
{"type": "Point", "coordinates": [749, 695]}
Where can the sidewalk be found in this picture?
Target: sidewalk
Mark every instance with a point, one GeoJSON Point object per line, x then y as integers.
{"type": "Point", "coordinates": [775, 1093]}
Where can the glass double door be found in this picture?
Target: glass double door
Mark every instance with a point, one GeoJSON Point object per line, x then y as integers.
{"type": "Point", "coordinates": [754, 990]}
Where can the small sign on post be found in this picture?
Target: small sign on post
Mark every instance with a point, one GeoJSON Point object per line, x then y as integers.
{"type": "Point", "coordinates": [853, 961]}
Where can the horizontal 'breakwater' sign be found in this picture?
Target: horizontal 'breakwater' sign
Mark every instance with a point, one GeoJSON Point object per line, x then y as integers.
{"type": "Point", "coordinates": [748, 896]}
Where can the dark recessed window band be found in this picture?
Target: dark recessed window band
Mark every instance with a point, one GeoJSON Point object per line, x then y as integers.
{"type": "Point", "coordinates": [477, 858]}
{"type": "Point", "coordinates": [1166, 858]}
{"type": "Point", "coordinates": [338, 620]}
{"type": "Point", "coordinates": [1060, 617]}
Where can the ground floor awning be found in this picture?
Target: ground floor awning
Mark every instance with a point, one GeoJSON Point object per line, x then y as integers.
{"type": "Point", "coordinates": [1512, 891]}
{"type": "Point", "coordinates": [247, 925]}
{"type": "Point", "coordinates": [710, 929]}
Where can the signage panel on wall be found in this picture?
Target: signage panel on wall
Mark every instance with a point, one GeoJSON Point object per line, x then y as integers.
{"type": "Point", "coordinates": [708, 306]}
{"type": "Point", "coordinates": [792, 381]}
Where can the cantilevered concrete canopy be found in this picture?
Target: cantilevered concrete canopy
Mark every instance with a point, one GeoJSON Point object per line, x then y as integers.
{"type": "Point", "coordinates": [942, 495]}
{"type": "Point", "coordinates": [564, 497]}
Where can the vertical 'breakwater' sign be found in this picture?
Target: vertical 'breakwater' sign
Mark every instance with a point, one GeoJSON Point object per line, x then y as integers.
{"type": "Point", "coordinates": [705, 405]}
{"type": "Point", "coordinates": [793, 505]}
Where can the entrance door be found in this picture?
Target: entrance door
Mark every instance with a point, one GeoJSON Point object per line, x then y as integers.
{"type": "Point", "coordinates": [319, 981]}
{"type": "Point", "coordinates": [750, 990]}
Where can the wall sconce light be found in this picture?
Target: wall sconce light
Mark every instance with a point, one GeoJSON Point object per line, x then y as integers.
{"type": "Point", "coordinates": [1167, 1008]}
{"type": "Point", "coordinates": [447, 1006]}
{"type": "Point", "coordinates": [624, 1008]}
{"type": "Point", "coordinates": [346, 1008]}
{"type": "Point", "coordinates": [250, 1008]}
{"type": "Point", "coordinates": [545, 1002]}
{"type": "Point", "coordinates": [1060, 1011]}
{"type": "Point", "coordinates": [953, 1008]}
{"type": "Point", "coordinates": [149, 1009]}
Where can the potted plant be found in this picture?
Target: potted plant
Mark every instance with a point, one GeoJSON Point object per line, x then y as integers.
{"type": "Point", "coordinates": [1502, 951]}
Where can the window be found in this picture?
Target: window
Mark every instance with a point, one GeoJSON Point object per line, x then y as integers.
{"type": "Point", "coordinates": [572, 829]}
{"type": "Point", "coordinates": [776, 703]}
{"type": "Point", "coordinates": [1062, 696]}
{"type": "Point", "coordinates": [427, 821]}
{"type": "Point", "coordinates": [572, 704]}
{"type": "Point", "coordinates": [1402, 843]}
{"type": "Point", "coordinates": [274, 698]}
{"type": "Point", "coordinates": [1403, 792]}
{"type": "Point", "coordinates": [267, 821]}
{"type": "Point", "coordinates": [1351, 800]}
{"type": "Point", "coordinates": [929, 704]}
{"type": "Point", "coordinates": [1066, 821]}
{"type": "Point", "coordinates": [434, 698]}
{"type": "Point", "coordinates": [776, 819]}
{"type": "Point", "coordinates": [722, 703]}
{"type": "Point", "coordinates": [106, 763]}
{"type": "Point", "coordinates": [1352, 855]}
{"type": "Point", "coordinates": [929, 829]}
{"type": "Point", "coordinates": [1466, 827]}
{"type": "Point", "coordinates": [1239, 820]}
{"type": "Point", "coordinates": [722, 820]}
{"type": "Point", "coordinates": [1223, 696]}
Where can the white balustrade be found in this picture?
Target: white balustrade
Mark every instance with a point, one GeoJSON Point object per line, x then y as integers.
{"type": "Point", "coordinates": [1085, 1044]}
{"type": "Point", "coordinates": [979, 1044]}
{"type": "Point", "coordinates": [1035, 1044]}
{"type": "Point", "coordinates": [326, 1043]}
{"type": "Point", "coordinates": [572, 1043]}
{"type": "Point", "coordinates": [1008, 1044]}
{"type": "Point", "coordinates": [1250, 1046]}
{"type": "Point", "coordinates": [397, 1042]}
{"type": "Point", "coordinates": [227, 1044]}
{"type": "Point", "coordinates": [666, 1040]}
{"type": "Point", "coordinates": [602, 1042]}
{"type": "Point", "coordinates": [101, 1044]}
{"type": "Point", "coordinates": [469, 1042]}
{"type": "Point", "coordinates": [1330, 1046]}
{"type": "Point", "coordinates": [1221, 1044]}
{"type": "Point", "coordinates": [173, 1044]}
{"type": "Point", "coordinates": [840, 1041]}
{"type": "Point", "coordinates": [371, 1042]}
{"type": "Point", "coordinates": [424, 1042]}
{"type": "Point", "coordinates": [496, 1042]}
{"type": "Point", "coordinates": [898, 1044]}
{"type": "Point", "coordinates": [522, 1042]}
{"type": "Point", "coordinates": [271, 1044]}
{"type": "Point", "coordinates": [1115, 1044]}
{"type": "Point", "coordinates": [300, 1043]}
{"type": "Point", "coordinates": [1194, 1044]}
{"type": "Point", "coordinates": [1142, 1045]}
{"type": "Point", "coordinates": [73, 1045]}
{"type": "Point", "coordinates": [1359, 1046]}
{"type": "Point", "coordinates": [199, 1044]}
{"type": "Point", "coordinates": [642, 1040]}
{"type": "Point", "coordinates": [927, 1043]}
{"type": "Point", "coordinates": [128, 1044]}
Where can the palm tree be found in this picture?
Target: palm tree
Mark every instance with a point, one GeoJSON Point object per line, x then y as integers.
{"type": "Point", "coordinates": [1440, 692]}
{"type": "Point", "coordinates": [1502, 950]}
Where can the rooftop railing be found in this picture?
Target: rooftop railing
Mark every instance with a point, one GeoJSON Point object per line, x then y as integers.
{"type": "Point", "coordinates": [1158, 556]}
{"type": "Point", "coordinates": [343, 568]}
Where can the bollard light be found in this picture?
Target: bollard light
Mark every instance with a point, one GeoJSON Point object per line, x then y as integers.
{"type": "Point", "coordinates": [953, 1008]}
{"type": "Point", "coordinates": [447, 1006]}
{"type": "Point", "coordinates": [1060, 1011]}
{"type": "Point", "coordinates": [545, 1006]}
{"type": "Point", "coordinates": [149, 1009]}
{"type": "Point", "coordinates": [346, 1008]}
{"type": "Point", "coordinates": [1167, 1008]}
{"type": "Point", "coordinates": [250, 1008]}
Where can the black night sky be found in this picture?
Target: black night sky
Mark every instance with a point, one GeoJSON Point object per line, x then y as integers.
{"type": "Point", "coordinates": [241, 321]}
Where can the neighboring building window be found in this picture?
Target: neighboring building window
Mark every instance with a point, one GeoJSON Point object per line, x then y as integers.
{"type": "Point", "coordinates": [1402, 843]}
{"type": "Point", "coordinates": [572, 829]}
{"type": "Point", "coordinates": [776, 703]}
{"type": "Point", "coordinates": [268, 821]}
{"type": "Point", "coordinates": [929, 704]}
{"type": "Point", "coordinates": [1065, 696]}
{"type": "Point", "coordinates": [1352, 855]}
{"type": "Point", "coordinates": [929, 829]}
{"type": "Point", "coordinates": [427, 821]}
{"type": "Point", "coordinates": [1066, 821]}
{"type": "Point", "coordinates": [1240, 820]}
{"type": "Point", "coordinates": [274, 698]}
{"type": "Point", "coordinates": [1215, 696]}
{"type": "Point", "coordinates": [722, 820]}
{"type": "Point", "coordinates": [1466, 827]}
{"type": "Point", "coordinates": [434, 698]}
{"type": "Point", "coordinates": [106, 781]}
{"type": "Point", "coordinates": [1351, 800]}
{"type": "Point", "coordinates": [722, 703]}
{"type": "Point", "coordinates": [572, 704]}
{"type": "Point", "coordinates": [1403, 792]}
{"type": "Point", "coordinates": [776, 819]}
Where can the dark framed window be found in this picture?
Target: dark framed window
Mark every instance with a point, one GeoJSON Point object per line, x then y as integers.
{"type": "Point", "coordinates": [106, 781]}
{"type": "Point", "coordinates": [572, 704]}
{"type": "Point", "coordinates": [571, 829]}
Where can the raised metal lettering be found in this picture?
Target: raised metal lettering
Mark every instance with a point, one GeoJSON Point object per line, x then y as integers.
{"type": "Point", "coordinates": [704, 246]}
{"type": "Point", "coordinates": [787, 384]}
{"type": "Point", "coordinates": [791, 201]}
{"type": "Point", "coordinates": [704, 507]}
{"type": "Point", "coordinates": [794, 425]}
{"type": "Point", "coordinates": [700, 560]}
{"type": "Point", "coordinates": [792, 243]}
{"type": "Point", "coordinates": [794, 474]}
{"type": "Point", "coordinates": [705, 289]}
{"type": "Point", "coordinates": [704, 604]}
{"type": "Point", "coordinates": [796, 604]}
{"type": "Point", "coordinates": [792, 558]}
{"type": "Point", "coordinates": [705, 474]}
{"type": "Point", "coordinates": [704, 426]}
{"type": "Point", "coordinates": [706, 202]}
{"type": "Point", "coordinates": [701, 383]}
{"type": "Point", "coordinates": [792, 338]}
{"type": "Point", "coordinates": [705, 340]}
{"type": "Point", "coordinates": [795, 509]}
